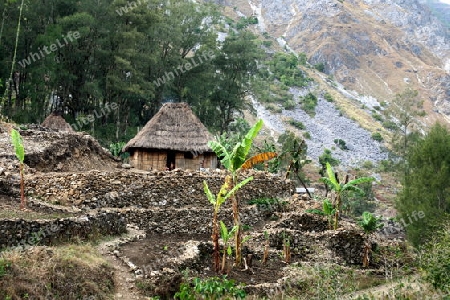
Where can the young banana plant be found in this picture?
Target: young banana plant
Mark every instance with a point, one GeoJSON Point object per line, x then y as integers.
{"type": "Point", "coordinates": [17, 142]}
{"type": "Point", "coordinates": [369, 224]}
{"type": "Point", "coordinates": [226, 236]}
{"type": "Point", "coordinates": [329, 211]}
{"type": "Point", "coordinates": [225, 192]}
{"type": "Point", "coordinates": [341, 188]}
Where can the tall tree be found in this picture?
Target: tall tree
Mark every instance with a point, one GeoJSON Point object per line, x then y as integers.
{"type": "Point", "coordinates": [404, 111]}
{"type": "Point", "coordinates": [235, 64]}
{"type": "Point", "coordinates": [426, 188]}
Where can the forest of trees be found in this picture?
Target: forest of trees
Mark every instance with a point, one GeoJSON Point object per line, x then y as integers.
{"type": "Point", "coordinates": [81, 57]}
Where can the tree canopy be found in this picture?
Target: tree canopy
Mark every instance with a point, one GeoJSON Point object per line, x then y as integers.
{"type": "Point", "coordinates": [80, 58]}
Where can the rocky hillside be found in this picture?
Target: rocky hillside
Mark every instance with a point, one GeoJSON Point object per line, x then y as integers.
{"type": "Point", "coordinates": [440, 9]}
{"type": "Point", "coordinates": [373, 47]}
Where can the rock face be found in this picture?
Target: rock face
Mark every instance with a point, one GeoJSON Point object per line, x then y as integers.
{"type": "Point", "coordinates": [375, 47]}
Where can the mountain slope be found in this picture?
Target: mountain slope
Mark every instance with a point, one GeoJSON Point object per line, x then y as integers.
{"type": "Point", "coordinates": [374, 47]}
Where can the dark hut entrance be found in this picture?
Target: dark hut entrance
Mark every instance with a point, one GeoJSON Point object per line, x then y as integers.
{"type": "Point", "coordinates": [170, 160]}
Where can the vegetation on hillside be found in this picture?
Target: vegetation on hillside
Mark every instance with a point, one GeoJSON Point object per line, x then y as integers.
{"type": "Point", "coordinates": [426, 186]}
{"type": "Point", "coordinates": [80, 58]}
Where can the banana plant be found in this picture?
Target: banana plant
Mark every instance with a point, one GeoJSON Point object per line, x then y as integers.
{"type": "Point", "coordinates": [19, 149]}
{"type": "Point", "coordinates": [340, 188]}
{"type": "Point", "coordinates": [226, 191]}
{"type": "Point", "coordinates": [234, 162]}
{"type": "Point", "coordinates": [226, 236]}
{"type": "Point", "coordinates": [329, 211]}
{"type": "Point", "coordinates": [297, 160]}
{"type": "Point", "coordinates": [369, 224]}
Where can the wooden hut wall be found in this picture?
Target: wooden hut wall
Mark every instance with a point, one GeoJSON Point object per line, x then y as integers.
{"type": "Point", "coordinates": [179, 161]}
{"type": "Point", "coordinates": [154, 160]}
{"type": "Point", "coordinates": [157, 160]}
{"type": "Point", "coordinates": [184, 161]}
{"type": "Point", "coordinates": [210, 161]}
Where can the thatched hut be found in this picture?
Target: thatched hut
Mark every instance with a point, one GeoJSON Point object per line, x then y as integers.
{"type": "Point", "coordinates": [56, 122]}
{"type": "Point", "coordinates": [173, 138]}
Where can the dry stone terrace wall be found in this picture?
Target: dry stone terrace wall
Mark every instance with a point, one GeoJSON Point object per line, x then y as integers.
{"type": "Point", "coordinates": [186, 220]}
{"type": "Point", "coordinates": [121, 189]}
{"type": "Point", "coordinates": [25, 233]}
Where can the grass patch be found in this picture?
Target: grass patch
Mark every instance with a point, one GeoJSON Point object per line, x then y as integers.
{"type": "Point", "coordinates": [65, 272]}
{"type": "Point", "coordinates": [331, 281]}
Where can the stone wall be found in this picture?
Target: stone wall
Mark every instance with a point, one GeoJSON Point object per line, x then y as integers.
{"type": "Point", "coordinates": [25, 233]}
{"type": "Point", "coordinates": [141, 189]}
{"type": "Point", "coordinates": [186, 220]}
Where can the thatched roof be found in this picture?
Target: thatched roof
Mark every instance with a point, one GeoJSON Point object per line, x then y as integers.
{"type": "Point", "coordinates": [174, 127]}
{"type": "Point", "coordinates": [55, 121]}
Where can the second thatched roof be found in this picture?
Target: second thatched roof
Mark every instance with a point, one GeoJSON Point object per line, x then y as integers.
{"type": "Point", "coordinates": [174, 127]}
{"type": "Point", "coordinates": [56, 122]}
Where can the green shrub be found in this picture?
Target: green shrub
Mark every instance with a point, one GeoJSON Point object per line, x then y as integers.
{"type": "Point", "coordinates": [435, 261]}
{"type": "Point", "coordinates": [267, 44]}
{"type": "Point", "coordinates": [309, 103]}
{"type": "Point", "coordinates": [307, 135]}
{"type": "Point", "coordinates": [284, 68]}
{"type": "Point", "coordinates": [341, 144]}
{"type": "Point", "coordinates": [328, 97]}
{"type": "Point", "coordinates": [289, 105]}
{"type": "Point", "coordinates": [320, 67]}
{"type": "Point", "coordinates": [4, 265]}
{"type": "Point", "coordinates": [377, 117]}
{"type": "Point", "coordinates": [297, 124]}
{"type": "Point", "coordinates": [377, 137]}
{"type": "Point", "coordinates": [116, 148]}
{"type": "Point", "coordinates": [210, 288]}
{"type": "Point", "coordinates": [386, 166]}
{"type": "Point", "coordinates": [244, 22]}
{"type": "Point", "coordinates": [302, 59]}
{"type": "Point", "coordinates": [389, 125]}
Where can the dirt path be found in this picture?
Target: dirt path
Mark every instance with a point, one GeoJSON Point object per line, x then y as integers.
{"type": "Point", "coordinates": [124, 278]}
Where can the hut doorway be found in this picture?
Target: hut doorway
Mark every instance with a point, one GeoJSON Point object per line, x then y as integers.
{"type": "Point", "coordinates": [170, 160]}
